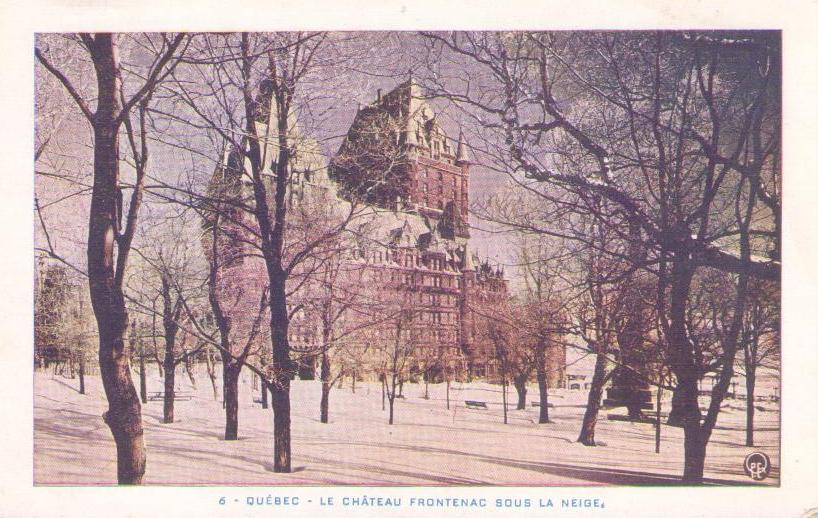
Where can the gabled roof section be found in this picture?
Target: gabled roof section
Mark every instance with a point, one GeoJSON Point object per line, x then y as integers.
{"type": "Point", "coordinates": [384, 136]}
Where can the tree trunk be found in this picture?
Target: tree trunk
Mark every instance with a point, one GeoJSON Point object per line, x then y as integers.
{"type": "Point", "coordinates": [659, 416]}
{"type": "Point", "coordinates": [171, 327]}
{"type": "Point", "coordinates": [82, 373]}
{"type": "Point", "coordinates": [264, 391]}
{"type": "Point", "coordinates": [170, 381]}
{"type": "Point", "coordinates": [124, 414]}
{"type": "Point", "coordinates": [519, 384]}
{"type": "Point", "coordinates": [154, 332]}
{"type": "Point", "coordinates": [586, 434]}
{"type": "Point", "coordinates": [189, 370]}
{"type": "Point", "coordinates": [391, 397]}
{"type": "Point", "coordinates": [325, 385]}
{"type": "Point", "coordinates": [230, 390]}
{"type": "Point", "coordinates": [542, 381]}
{"type": "Point", "coordinates": [505, 399]}
{"type": "Point", "coordinates": [448, 383]}
{"type": "Point", "coordinates": [282, 374]}
{"type": "Point", "coordinates": [544, 417]}
{"type": "Point", "coordinates": [143, 385]}
{"type": "Point", "coordinates": [211, 373]}
{"type": "Point", "coordinates": [383, 393]}
{"type": "Point", "coordinates": [281, 425]}
{"type": "Point", "coordinates": [215, 389]}
{"type": "Point", "coordinates": [353, 381]}
{"type": "Point", "coordinates": [695, 451]}
{"type": "Point", "coordinates": [325, 402]}
{"type": "Point", "coordinates": [751, 388]}
{"type": "Point", "coordinates": [685, 403]}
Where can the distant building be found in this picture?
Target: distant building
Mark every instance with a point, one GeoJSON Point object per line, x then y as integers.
{"type": "Point", "coordinates": [397, 160]}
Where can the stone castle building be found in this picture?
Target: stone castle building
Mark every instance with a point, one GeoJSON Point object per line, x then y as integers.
{"type": "Point", "coordinates": [398, 162]}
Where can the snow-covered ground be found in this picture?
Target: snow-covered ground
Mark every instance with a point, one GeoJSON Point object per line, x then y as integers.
{"type": "Point", "coordinates": [427, 445]}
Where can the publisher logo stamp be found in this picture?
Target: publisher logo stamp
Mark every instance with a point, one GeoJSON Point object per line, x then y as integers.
{"type": "Point", "coordinates": [757, 465]}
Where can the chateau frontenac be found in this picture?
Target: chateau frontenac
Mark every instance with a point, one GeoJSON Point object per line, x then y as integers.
{"type": "Point", "coordinates": [412, 179]}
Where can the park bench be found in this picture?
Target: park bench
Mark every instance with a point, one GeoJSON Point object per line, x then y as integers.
{"type": "Point", "coordinates": [476, 404]}
{"type": "Point", "coordinates": [537, 403]}
{"type": "Point", "coordinates": [177, 396]}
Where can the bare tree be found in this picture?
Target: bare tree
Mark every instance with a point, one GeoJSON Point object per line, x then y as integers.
{"type": "Point", "coordinates": [335, 300]}
{"type": "Point", "coordinates": [105, 232]}
{"type": "Point", "coordinates": [395, 339]}
{"type": "Point", "coordinates": [679, 132]}
{"type": "Point", "coordinates": [496, 327]}
{"type": "Point", "coordinates": [760, 340]}
{"type": "Point", "coordinates": [251, 100]}
{"type": "Point", "coordinates": [544, 302]}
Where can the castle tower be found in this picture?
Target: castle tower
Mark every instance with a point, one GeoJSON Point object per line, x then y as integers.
{"type": "Point", "coordinates": [463, 161]}
{"type": "Point", "coordinates": [397, 156]}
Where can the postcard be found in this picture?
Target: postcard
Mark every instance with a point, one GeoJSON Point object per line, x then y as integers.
{"type": "Point", "coordinates": [394, 268]}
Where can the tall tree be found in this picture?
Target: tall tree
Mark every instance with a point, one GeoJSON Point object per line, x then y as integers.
{"type": "Point", "coordinates": [761, 342]}
{"type": "Point", "coordinates": [395, 338]}
{"type": "Point", "coordinates": [679, 132]}
{"type": "Point", "coordinates": [108, 242]}
{"type": "Point", "coordinates": [253, 93]}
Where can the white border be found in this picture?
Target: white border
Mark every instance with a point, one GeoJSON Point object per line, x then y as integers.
{"type": "Point", "coordinates": [20, 20]}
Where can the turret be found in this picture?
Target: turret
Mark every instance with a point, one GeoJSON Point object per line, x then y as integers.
{"type": "Point", "coordinates": [468, 263]}
{"type": "Point", "coordinates": [462, 152]}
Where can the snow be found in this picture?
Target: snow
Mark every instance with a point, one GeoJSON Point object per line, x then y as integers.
{"type": "Point", "coordinates": [427, 445]}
